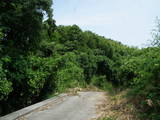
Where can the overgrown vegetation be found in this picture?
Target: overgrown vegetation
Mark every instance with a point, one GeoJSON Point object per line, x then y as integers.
{"type": "Point", "coordinates": [116, 106]}
{"type": "Point", "coordinates": [39, 58]}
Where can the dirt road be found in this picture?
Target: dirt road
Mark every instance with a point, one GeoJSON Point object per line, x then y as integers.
{"type": "Point", "coordinates": [78, 107]}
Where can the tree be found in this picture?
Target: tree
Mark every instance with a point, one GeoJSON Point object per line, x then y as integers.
{"type": "Point", "coordinates": [22, 22]}
{"type": "Point", "coordinates": [156, 34]}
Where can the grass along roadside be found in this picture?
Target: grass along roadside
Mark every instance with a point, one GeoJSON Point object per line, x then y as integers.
{"type": "Point", "coordinates": [116, 107]}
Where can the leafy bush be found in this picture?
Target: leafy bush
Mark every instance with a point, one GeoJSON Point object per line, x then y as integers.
{"type": "Point", "coordinates": [5, 84]}
{"type": "Point", "coordinates": [129, 70]}
{"type": "Point", "coordinates": [27, 76]}
{"type": "Point", "coordinates": [70, 76]}
{"type": "Point", "coordinates": [147, 86]}
{"type": "Point", "coordinates": [102, 83]}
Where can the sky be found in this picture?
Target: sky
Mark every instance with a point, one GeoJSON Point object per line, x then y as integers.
{"type": "Point", "coordinates": [128, 21]}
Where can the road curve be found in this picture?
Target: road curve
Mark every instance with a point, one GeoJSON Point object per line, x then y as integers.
{"type": "Point", "coordinates": [78, 107]}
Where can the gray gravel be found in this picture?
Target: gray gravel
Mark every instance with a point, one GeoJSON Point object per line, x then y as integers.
{"type": "Point", "coordinates": [79, 107]}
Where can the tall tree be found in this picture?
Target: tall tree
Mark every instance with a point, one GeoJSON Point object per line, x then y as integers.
{"type": "Point", "coordinates": [156, 35]}
{"type": "Point", "coordinates": [21, 23]}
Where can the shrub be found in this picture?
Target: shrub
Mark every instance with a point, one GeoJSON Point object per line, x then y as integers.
{"type": "Point", "coordinates": [5, 84]}
{"type": "Point", "coordinates": [70, 76]}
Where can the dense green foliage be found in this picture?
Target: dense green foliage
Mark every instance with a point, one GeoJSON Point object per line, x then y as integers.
{"type": "Point", "coordinates": [145, 69]}
{"type": "Point", "coordinates": [22, 72]}
{"type": "Point", "coordinates": [39, 58]}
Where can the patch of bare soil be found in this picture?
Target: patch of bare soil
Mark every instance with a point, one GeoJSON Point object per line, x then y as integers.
{"type": "Point", "coordinates": [116, 107]}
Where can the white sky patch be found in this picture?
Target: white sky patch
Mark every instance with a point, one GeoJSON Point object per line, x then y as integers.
{"type": "Point", "coordinates": [93, 20]}
{"type": "Point", "coordinates": [85, 20]}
